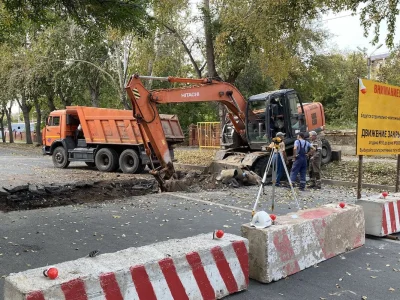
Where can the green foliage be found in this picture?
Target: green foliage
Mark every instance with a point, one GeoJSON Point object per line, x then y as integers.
{"type": "Point", "coordinates": [331, 80]}
{"type": "Point", "coordinates": [252, 81]}
{"type": "Point", "coordinates": [274, 33]}
{"type": "Point", "coordinates": [341, 125]}
{"type": "Point", "coordinates": [191, 113]}
{"type": "Point", "coordinates": [126, 15]}
{"type": "Point", "coordinates": [388, 72]}
{"type": "Point", "coordinates": [77, 52]}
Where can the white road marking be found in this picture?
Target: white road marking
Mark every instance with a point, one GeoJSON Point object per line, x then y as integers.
{"type": "Point", "coordinates": [209, 202]}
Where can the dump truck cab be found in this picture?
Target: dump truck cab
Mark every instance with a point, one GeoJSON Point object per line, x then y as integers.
{"type": "Point", "coordinates": [59, 130]}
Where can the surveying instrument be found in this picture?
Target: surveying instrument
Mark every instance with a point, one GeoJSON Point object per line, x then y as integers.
{"type": "Point", "coordinates": [276, 154]}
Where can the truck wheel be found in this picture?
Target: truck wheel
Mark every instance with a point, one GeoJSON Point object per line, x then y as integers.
{"type": "Point", "coordinates": [129, 162]}
{"type": "Point", "coordinates": [326, 152]}
{"type": "Point", "coordinates": [90, 164]}
{"type": "Point", "coordinates": [106, 160]}
{"type": "Point", "coordinates": [259, 168]}
{"type": "Point", "coordinates": [60, 159]}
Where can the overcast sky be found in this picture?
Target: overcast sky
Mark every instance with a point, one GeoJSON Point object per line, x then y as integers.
{"type": "Point", "coordinates": [348, 33]}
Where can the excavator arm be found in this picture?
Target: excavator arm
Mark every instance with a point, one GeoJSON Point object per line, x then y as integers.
{"type": "Point", "coordinates": [144, 105]}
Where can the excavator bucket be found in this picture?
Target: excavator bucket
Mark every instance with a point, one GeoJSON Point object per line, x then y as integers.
{"type": "Point", "coordinates": [162, 175]}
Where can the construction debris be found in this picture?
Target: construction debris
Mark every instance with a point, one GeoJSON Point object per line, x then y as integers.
{"type": "Point", "coordinates": [195, 180]}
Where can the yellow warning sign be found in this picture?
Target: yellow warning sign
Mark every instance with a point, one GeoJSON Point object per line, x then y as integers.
{"type": "Point", "coordinates": [378, 123]}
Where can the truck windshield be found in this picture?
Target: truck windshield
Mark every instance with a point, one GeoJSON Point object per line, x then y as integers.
{"type": "Point", "coordinates": [256, 126]}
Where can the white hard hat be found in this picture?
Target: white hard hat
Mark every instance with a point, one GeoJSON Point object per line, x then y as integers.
{"type": "Point", "coordinates": [261, 220]}
{"type": "Point", "coordinates": [312, 133]}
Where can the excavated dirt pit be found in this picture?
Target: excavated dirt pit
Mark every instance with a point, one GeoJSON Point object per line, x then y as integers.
{"type": "Point", "coordinates": [32, 196]}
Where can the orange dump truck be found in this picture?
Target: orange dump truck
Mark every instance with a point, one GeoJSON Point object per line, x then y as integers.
{"type": "Point", "coordinates": [104, 138]}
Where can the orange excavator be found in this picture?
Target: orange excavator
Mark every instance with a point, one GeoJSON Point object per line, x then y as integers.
{"type": "Point", "coordinates": [253, 123]}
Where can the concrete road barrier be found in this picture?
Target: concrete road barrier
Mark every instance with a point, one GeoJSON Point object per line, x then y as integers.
{"type": "Point", "coordinates": [300, 240]}
{"type": "Point", "coordinates": [382, 215]}
{"type": "Point", "coordinates": [192, 268]}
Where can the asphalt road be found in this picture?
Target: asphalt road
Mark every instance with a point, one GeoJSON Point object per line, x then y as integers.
{"type": "Point", "coordinates": [37, 238]}
{"type": "Point", "coordinates": [31, 239]}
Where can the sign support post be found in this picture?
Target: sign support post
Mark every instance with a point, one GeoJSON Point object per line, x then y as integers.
{"type": "Point", "coordinates": [360, 171]}
{"type": "Point", "coordinates": [398, 174]}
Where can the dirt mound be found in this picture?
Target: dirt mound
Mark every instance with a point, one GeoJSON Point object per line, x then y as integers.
{"type": "Point", "coordinates": [195, 181]}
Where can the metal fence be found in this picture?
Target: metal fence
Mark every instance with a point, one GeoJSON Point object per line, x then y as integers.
{"type": "Point", "coordinates": [208, 134]}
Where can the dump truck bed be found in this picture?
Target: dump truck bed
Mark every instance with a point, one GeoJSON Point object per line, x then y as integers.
{"type": "Point", "coordinates": [114, 126]}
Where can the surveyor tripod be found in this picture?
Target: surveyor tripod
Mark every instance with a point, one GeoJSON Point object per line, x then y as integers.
{"type": "Point", "coordinates": [276, 154]}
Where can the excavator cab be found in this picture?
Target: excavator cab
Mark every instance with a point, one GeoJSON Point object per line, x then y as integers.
{"type": "Point", "coordinates": [273, 112]}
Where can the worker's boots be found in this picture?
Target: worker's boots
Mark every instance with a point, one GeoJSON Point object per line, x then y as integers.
{"type": "Point", "coordinates": [311, 184]}
{"type": "Point", "coordinates": [315, 184]}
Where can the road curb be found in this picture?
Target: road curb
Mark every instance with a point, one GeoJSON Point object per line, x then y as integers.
{"type": "Point", "coordinates": [354, 184]}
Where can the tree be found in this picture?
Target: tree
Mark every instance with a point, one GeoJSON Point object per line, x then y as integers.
{"type": "Point", "coordinates": [7, 109]}
{"type": "Point", "coordinates": [332, 80]}
{"type": "Point", "coordinates": [126, 15]}
{"type": "Point", "coordinates": [119, 47]}
{"type": "Point", "coordinates": [2, 113]}
{"type": "Point", "coordinates": [5, 96]}
{"type": "Point", "coordinates": [388, 72]}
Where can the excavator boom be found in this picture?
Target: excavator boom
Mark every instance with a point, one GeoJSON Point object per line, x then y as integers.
{"type": "Point", "coordinates": [144, 104]}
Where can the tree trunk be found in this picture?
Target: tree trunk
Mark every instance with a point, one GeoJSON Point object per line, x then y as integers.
{"type": "Point", "coordinates": [50, 101]}
{"type": "Point", "coordinates": [124, 100]}
{"type": "Point", "coordinates": [158, 41]}
{"type": "Point", "coordinates": [2, 112]}
{"type": "Point", "coordinates": [28, 134]}
{"type": "Point", "coordinates": [26, 108]}
{"type": "Point", "coordinates": [122, 68]}
{"type": "Point", "coordinates": [212, 72]}
{"type": "Point", "coordinates": [95, 92]}
{"type": "Point", "coordinates": [210, 56]}
{"type": "Point", "coordinates": [9, 121]}
{"type": "Point", "coordinates": [94, 95]}
{"type": "Point", "coordinates": [65, 100]}
{"type": "Point", "coordinates": [187, 49]}
{"type": "Point", "coordinates": [38, 121]}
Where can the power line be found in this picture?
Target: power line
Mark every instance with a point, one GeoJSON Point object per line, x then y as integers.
{"type": "Point", "coordinates": [338, 17]}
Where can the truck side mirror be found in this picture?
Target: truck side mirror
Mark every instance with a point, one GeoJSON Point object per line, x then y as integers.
{"type": "Point", "coordinates": [68, 120]}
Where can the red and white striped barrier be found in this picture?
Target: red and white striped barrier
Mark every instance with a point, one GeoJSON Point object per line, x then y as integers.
{"type": "Point", "coordinates": [193, 268]}
{"type": "Point", "coordinates": [300, 240]}
{"type": "Point", "coordinates": [382, 214]}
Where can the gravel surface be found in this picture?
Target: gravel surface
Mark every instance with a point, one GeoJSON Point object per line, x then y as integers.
{"type": "Point", "coordinates": [21, 164]}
